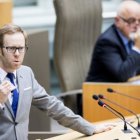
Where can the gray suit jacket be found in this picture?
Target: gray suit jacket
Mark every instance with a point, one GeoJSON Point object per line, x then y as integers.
{"type": "Point", "coordinates": [31, 92]}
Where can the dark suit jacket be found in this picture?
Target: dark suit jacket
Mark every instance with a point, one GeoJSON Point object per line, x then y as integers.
{"type": "Point", "coordinates": [110, 61]}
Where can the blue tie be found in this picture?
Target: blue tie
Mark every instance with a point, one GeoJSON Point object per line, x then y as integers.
{"type": "Point", "coordinates": [15, 94]}
{"type": "Point", "coordinates": [130, 45]}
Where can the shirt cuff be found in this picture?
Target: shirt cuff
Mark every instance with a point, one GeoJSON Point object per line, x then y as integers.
{"type": "Point", "coordinates": [136, 49]}
{"type": "Point", "coordinates": [2, 106]}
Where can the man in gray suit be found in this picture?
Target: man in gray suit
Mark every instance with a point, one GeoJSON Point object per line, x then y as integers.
{"type": "Point", "coordinates": [19, 89]}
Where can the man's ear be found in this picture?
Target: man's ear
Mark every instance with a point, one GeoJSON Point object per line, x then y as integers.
{"type": "Point", "coordinates": [116, 19]}
{"type": "Point", "coordinates": [1, 52]}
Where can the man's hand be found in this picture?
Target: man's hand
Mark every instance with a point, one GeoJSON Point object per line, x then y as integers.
{"type": "Point", "coordinates": [103, 128]}
{"type": "Point", "coordinates": [137, 39]}
{"type": "Point", "coordinates": [5, 89]}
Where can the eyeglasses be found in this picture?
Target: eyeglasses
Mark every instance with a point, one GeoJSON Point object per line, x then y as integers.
{"type": "Point", "coordinates": [13, 49]}
{"type": "Point", "coordinates": [131, 20]}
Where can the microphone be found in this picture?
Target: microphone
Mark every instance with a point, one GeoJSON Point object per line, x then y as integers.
{"type": "Point", "coordinates": [102, 104]}
{"type": "Point", "coordinates": [130, 111]}
{"type": "Point", "coordinates": [95, 97]}
{"type": "Point", "coordinates": [110, 90]}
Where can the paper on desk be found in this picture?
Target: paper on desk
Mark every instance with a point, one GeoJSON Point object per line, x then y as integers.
{"type": "Point", "coordinates": [137, 82]}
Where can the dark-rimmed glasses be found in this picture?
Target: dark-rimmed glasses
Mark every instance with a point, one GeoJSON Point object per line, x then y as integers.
{"type": "Point", "coordinates": [130, 21]}
{"type": "Point", "coordinates": [13, 49]}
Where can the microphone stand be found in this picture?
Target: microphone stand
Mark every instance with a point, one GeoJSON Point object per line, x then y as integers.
{"type": "Point", "coordinates": [115, 113]}
{"type": "Point", "coordinates": [102, 97]}
{"type": "Point", "coordinates": [110, 90]}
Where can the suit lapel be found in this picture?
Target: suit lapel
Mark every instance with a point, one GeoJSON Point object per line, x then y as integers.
{"type": "Point", "coordinates": [21, 91]}
{"type": "Point", "coordinates": [118, 41]}
{"type": "Point", "coordinates": [9, 108]}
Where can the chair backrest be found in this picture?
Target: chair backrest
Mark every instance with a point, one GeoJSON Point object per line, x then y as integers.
{"type": "Point", "coordinates": [37, 57]}
{"type": "Point", "coordinates": [78, 25]}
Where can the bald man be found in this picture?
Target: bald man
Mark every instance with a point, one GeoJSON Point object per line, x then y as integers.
{"type": "Point", "coordinates": [116, 56]}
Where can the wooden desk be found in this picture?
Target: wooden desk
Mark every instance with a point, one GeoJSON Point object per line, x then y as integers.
{"type": "Point", "coordinates": [93, 112]}
{"type": "Point", "coordinates": [115, 134]}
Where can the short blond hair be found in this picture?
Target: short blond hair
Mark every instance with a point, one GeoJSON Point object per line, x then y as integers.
{"type": "Point", "coordinates": [11, 29]}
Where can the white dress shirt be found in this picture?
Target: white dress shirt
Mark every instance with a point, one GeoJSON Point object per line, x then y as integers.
{"type": "Point", "coordinates": [3, 78]}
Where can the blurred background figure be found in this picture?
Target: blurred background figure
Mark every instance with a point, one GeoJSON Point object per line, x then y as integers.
{"type": "Point", "coordinates": [116, 56]}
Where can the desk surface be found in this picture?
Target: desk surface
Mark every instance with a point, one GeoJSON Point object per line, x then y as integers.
{"type": "Point", "coordinates": [115, 134]}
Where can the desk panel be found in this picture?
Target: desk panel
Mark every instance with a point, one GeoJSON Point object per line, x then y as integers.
{"type": "Point", "coordinates": [93, 112]}
{"type": "Point", "coordinates": [6, 7]}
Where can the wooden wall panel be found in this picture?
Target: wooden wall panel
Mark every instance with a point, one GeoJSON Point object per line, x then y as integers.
{"type": "Point", "coordinates": [5, 11]}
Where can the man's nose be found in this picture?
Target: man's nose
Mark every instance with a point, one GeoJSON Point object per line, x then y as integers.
{"type": "Point", "coordinates": [17, 52]}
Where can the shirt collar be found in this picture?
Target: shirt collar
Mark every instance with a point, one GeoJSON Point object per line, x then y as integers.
{"type": "Point", "coordinates": [124, 39]}
{"type": "Point", "coordinates": [4, 73]}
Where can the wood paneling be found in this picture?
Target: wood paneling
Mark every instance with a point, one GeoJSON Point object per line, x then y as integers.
{"type": "Point", "coordinates": [5, 11]}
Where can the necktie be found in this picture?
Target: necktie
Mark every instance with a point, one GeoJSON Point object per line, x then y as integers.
{"type": "Point", "coordinates": [15, 94]}
{"type": "Point", "coordinates": [130, 45]}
